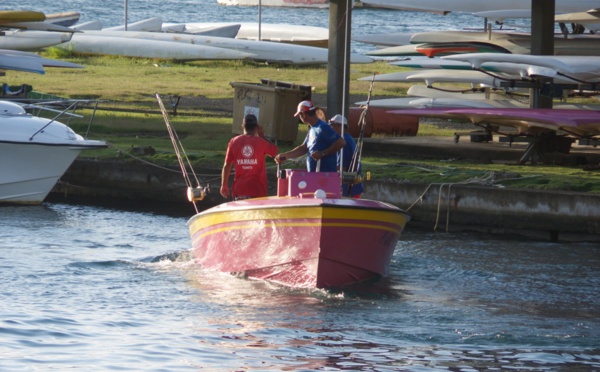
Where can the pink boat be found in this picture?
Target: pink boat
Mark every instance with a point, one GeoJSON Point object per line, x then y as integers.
{"type": "Point", "coordinates": [307, 236]}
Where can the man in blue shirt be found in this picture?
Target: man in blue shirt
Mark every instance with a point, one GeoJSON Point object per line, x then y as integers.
{"type": "Point", "coordinates": [337, 122]}
{"type": "Point", "coordinates": [321, 143]}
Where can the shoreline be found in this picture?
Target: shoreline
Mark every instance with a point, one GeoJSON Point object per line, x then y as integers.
{"type": "Point", "coordinates": [536, 214]}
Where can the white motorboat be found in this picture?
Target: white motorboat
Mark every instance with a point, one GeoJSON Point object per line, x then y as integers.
{"type": "Point", "coordinates": [36, 152]}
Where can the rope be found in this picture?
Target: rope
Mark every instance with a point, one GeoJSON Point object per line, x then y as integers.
{"type": "Point", "coordinates": [487, 179]}
{"type": "Point", "coordinates": [123, 152]}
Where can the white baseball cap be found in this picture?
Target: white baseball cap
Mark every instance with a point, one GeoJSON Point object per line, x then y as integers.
{"type": "Point", "coordinates": [338, 119]}
{"type": "Point", "coordinates": [304, 106]}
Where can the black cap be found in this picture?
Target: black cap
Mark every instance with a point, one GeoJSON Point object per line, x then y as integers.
{"type": "Point", "coordinates": [250, 121]}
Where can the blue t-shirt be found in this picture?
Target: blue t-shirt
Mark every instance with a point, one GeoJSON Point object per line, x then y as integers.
{"type": "Point", "coordinates": [348, 153]}
{"type": "Point", "coordinates": [319, 137]}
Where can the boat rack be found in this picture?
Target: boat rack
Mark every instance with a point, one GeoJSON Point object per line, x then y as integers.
{"type": "Point", "coordinates": [476, 136]}
{"type": "Point", "coordinates": [589, 142]}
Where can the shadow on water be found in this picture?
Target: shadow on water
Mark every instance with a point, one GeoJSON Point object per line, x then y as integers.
{"type": "Point", "coordinates": [183, 209]}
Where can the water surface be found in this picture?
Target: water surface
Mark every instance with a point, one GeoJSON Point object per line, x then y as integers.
{"type": "Point", "coordinates": [89, 287]}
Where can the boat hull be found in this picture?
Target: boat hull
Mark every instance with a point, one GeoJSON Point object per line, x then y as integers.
{"type": "Point", "coordinates": [32, 171]}
{"type": "Point", "coordinates": [37, 151]}
{"type": "Point", "coordinates": [298, 242]}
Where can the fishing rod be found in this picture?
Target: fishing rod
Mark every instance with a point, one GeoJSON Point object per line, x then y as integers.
{"type": "Point", "coordinates": [194, 193]}
{"type": "Point", "coordinates": [344, 80]}
{"type": "Point", "coordinates": [354, 169]}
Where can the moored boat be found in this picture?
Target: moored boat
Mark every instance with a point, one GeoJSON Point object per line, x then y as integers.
{"type": "Point", "coordinates": [40, 151]}
{"type": "Point", "coordinates": [307, 236]}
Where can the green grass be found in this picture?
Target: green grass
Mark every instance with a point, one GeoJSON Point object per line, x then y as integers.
{"type": "Point", "coordinates": [126, 80]}
{"type": "Point", "coordinates": [539, 177]}
{"type": "Point", "coordinates": [127, 86]}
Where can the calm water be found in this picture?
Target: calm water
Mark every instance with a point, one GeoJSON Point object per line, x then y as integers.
{"type": "Point", "coordinates": [93, 288]}
{"type": "Point", "coordinates": [364, 21]}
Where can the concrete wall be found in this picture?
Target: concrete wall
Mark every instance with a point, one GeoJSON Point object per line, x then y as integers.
{"type": "Point", "coordinates": [542, 214]}
{"type": "Point", "coordinates": [552, 215]}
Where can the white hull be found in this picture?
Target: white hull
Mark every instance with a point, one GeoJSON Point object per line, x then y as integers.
{"type": "Point", "coordinates": [65, 19]}
{"type": "Point", "coordinates": [33, 170]}
{"type": "Point", "coordinates": [583, 67]}
{"type": "Point", "coordinates": [385, 40]}
{"type": "Point", "coordinates": [35, 154]}
{"type": "Point", "coordinates": [101, 43]}
{"type": "Point", "coordinates": [29, 62]}
{"type": "Point", "coordinates": [279, 32]}
{"type": "Point", "coordinates": [430, 77]}
{"type": "Point", "coordinates": [471, 6]}
{"type": "Point", "coordinates": [278, 3]}
{"type": "Point", "coordinates": [150, 24]}
{"type": "Point", "coordinates": [412, 102]}
{"type": "Point", "coordinates": [91, 25]}
{"type": "Point", "coordinates": [32, 40]}
{"type": "Point", "coordinates": [262, 51]}
{"type": "Point", "coordinates": [426, 92]}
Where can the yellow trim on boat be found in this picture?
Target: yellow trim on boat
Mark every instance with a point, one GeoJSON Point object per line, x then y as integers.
{"type": "Point", "coordinates": [300, 212]}
{"type": "Point", "coordinates": [272, 216]}
{"type": "Point", "coordinates": [300, 224]}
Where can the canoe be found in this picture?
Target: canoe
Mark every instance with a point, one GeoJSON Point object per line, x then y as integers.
{"type": "Point", "coordinates": [91, 25]}
{"type": "Point", "coordinates": [32, 40]}
{"type": "Point", "coordinates": [12, 16]}
{"type": "Point", "coordinates": [229, 30]}
{"type": "Point", "coordinates": [142, 48]}
{"type": "Point", "coordinates": [412, 103]}
{"type": "Point", "coordinates": [585, 68]}
{"type": "Point", "coordinates": [501, 64]}
{"type": "Point", "coordinates": [29, 62]}
{"type": "Point", "coordinates": [150, 24]}
{"type": "Point", "coordinates": [278, 32]}
{"type": "Point", "coordinates": [387, 39]}
{"type": "Point", "coordinates": [262, 51]}
{"type": "Point", "coordinates": [430, 77]}
{"type": "Point", "coordinates": [65, 19]}
{"type": "Point", "coordinates": [527, 121]}
{"type": "Point", "coordinates": [471, 6]}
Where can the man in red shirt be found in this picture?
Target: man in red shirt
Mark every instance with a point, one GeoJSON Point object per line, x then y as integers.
{"type": "Point", "coordinates": [246, 153]}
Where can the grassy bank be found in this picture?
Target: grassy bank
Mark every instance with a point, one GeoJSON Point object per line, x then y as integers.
{"type": "Point", "coordinates": [130, 118]}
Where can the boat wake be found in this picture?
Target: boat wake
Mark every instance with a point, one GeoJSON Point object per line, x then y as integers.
{"type": "Point", "coordinates": [182, 256]}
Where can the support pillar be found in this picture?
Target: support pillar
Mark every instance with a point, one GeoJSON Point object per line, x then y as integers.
{"type": "Point", "coordinates": [338, 78]}
{"type": "Point", "coordinates": [542, 43]}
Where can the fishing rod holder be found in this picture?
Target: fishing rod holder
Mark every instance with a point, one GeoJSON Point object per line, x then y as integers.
{"type": "Point", "coordinates": [197, 193]}
{"type": "Point", "coordinates": [354, 177]}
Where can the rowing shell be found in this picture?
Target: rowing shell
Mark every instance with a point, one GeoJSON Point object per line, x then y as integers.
{"type": "Point", "coordinates": [527, 121]}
